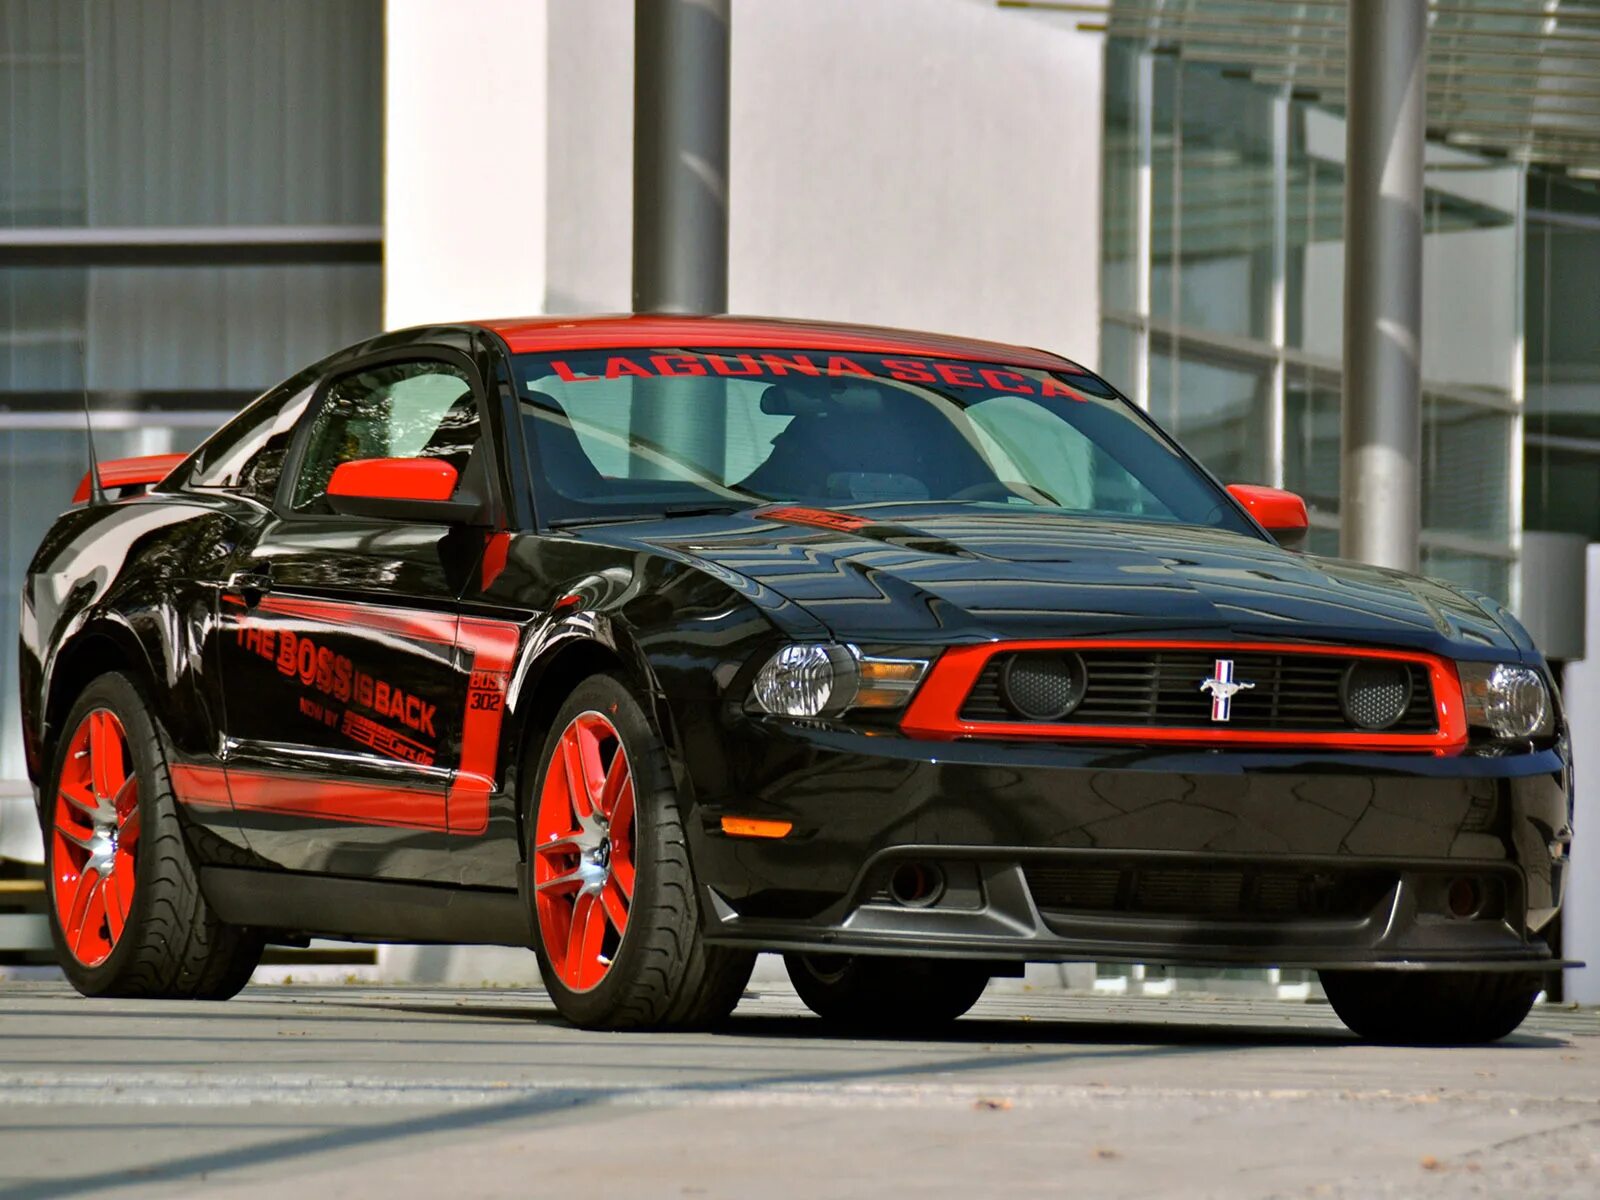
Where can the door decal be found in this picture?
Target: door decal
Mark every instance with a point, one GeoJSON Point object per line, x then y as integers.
{"type": "Point", "coordinates": [379, 715]}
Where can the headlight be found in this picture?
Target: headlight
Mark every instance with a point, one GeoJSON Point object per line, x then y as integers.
{"type": "Point", "coordinates": [807, 680]}
{"type": "Point", "coordinates": [1509, 701]}
{"type": "Point", "coordinates": [812, 679]}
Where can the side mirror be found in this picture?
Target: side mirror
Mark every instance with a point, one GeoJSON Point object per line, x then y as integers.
{"type": "Point", "coordinates": [401, 489]}
{"type": "Point", "coordinates": [1280, 513]}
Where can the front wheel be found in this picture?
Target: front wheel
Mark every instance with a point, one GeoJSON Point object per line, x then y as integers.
{"type": "Point", "coordinates": [1443, 1008]}
{"type": "Point", "coordinates": [126, 912]}
{"type": "Point", "coordinates": [618, 920]}
{"type": "Point", "coordinates": [885, 995]}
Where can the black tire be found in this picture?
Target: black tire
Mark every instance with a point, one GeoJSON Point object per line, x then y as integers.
{"type": "Point", "coordinates": [885, 995]}
{"type": "Point", "coordinates": [660, 972]}
{"type": "Point", "coordinates": [1444, 1008]}
{"type": "Point", "coordinates": [171, 945]}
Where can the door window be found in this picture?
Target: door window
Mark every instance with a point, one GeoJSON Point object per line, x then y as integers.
{"type": "Point", "coordinates": [422, 409]}
{"type": "Point", "coordinates": [246, 455]}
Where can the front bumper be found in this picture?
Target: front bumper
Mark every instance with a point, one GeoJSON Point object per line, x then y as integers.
{"type": "Point", "coordinates": [1055, 853]}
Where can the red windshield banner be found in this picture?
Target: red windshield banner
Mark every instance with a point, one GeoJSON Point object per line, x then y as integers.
{"type": "Point", "coordinates": [755, 364]}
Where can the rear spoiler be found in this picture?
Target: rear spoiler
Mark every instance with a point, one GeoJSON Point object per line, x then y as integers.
{"type": "Point", "coordinates": [130, 476]}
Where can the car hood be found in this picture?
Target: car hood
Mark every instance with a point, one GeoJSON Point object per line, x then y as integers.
{"type": "Point", "coordinates": [919, 572]}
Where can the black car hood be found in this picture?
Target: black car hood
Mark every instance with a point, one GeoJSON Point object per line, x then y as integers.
{"type": "Point", "coordinates": [958, 572]}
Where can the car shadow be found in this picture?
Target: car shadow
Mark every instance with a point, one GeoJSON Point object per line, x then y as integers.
{"type": "Point", "coordinates": [1183, 1030]}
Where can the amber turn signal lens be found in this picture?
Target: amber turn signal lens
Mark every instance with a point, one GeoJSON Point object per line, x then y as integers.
{"type": "Point", "coordinates": [888, 682]}
{"type": "Point", "coordinates": [750, 827]}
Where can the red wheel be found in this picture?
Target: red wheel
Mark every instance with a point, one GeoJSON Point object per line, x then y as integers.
{"type": "Point", "coordinates": [616, 910]}
{"type": "Point", "coordinates": [94, 867]}
{"type": "Point", "coordinates": [126, 913]}
{"type": "Point", "coordinates": [583, 859]}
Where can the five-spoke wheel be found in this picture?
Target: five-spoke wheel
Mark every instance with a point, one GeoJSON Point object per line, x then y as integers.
{"type": "Point", "coordinates": [96, 832]}
{"type": "Point", "coordinates": [617, 913]}
{"type": "Point", "coordinates": [126, 910]}
{"type": "Point", "coordinates": [583, 866]}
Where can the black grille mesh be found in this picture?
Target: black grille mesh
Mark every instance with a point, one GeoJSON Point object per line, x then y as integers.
{"type": "Point", "coordinates": [1043, 687]}
{"type": "Point", "coordinates": [1376, 693]}
{"type": "Point", "coordinates": [1246, 892]}
{"type": "Point", "coordinates": [1161, 689]}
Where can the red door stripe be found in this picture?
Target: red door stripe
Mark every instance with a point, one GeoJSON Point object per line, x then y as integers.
{"type": "Point", "coordinates": [292, 794]}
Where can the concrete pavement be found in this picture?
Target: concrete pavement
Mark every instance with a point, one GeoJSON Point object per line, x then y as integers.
{"type": "Point", "coordinates": [399, 1092]}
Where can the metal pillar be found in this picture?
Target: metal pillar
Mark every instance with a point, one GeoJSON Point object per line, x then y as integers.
{"type": "Point", "coordinates": [1380, 497]}
{"type": "Point", "coordinates": [680, 156]}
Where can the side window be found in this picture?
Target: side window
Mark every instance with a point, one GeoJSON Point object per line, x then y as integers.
{"type": "Point", "coordinates": [246, 455]}
{"type": "Point", "coordinates": [420, 409]}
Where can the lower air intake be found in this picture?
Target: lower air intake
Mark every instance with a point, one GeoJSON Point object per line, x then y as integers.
{"type": "Point", "coordinates": [1259, 893]}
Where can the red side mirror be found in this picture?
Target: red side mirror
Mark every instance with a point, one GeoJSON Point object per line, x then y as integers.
{"type": "Point", "coordinates": [394, 479]}
{"type": "Point", "coordinates": [1280, 513]}
{"type": "Point", "coordinates": [418, 490]}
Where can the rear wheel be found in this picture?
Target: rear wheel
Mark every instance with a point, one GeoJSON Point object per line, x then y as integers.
{"type": "Point", "coordinates": [618, 920]}
{"type": "Point", "coordinates": [885, 994]}
{"type": "Point", "coordinates": [1444, 1008]}
{"type": "Point", "coordinates": [126, 912]}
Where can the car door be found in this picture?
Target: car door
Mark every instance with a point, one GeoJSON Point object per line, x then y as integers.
{"type": "Point", "coordinates": [345, 701]}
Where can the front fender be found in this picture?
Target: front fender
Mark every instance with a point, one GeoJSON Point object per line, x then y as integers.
{"type": "Point", "coordinates": [129, 586]}
{"type": "Point", "coordinates": [677, 636]}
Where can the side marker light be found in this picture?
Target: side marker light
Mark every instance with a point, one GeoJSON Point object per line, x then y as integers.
{"type": "Point", "coordinates": [750, 827]}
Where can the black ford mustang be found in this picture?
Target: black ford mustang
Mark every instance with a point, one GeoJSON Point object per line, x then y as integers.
{"type": "Point", "coordinates": [655, 642]}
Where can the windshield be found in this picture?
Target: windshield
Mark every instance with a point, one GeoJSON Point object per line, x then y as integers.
{"type": "Point", "coordinates": [623, 434]}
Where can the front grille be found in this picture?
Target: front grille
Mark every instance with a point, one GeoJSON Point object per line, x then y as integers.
{"type": "Point", "coordinates": [1243, 892]}
{"type": "Point", "coordinates": [1160, 688]}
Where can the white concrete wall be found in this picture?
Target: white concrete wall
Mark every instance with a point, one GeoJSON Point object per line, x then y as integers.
{"type": "Point", "coordinates": [929, 163]}
{"type": "Point", "coordinates": [589, 234]}
{"type": "Point", "coordinates": [926, 163]}
{"type": "Point", "coordinates": [1581, 914]}
{"type": "Point", "coordinates": [464, 159]}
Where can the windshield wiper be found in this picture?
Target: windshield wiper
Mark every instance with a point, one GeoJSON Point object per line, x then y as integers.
{"type": "Point", "coordinates": [684, 510]}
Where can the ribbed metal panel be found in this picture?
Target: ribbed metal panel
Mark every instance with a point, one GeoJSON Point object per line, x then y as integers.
{"type": "Point", "coordinates": [178, 113]}
{"type": "Point", "coordinates": [1511, 76]}
{"type": "Point", "coordinates": [234, 114]}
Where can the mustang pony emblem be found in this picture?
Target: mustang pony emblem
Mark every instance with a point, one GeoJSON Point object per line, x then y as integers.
{"type": "Point", "coordinates": [1222, 686]}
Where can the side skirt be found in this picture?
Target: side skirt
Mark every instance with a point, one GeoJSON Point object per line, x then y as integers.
{"type": "Point", "coordinates": [366, 910]}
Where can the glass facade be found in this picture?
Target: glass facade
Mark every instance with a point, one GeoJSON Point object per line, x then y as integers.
{"type": "Point", "coordinates": [190, 205]}
{"type": "Point", "coordinates": [1562, 426]}
{"type": "Point", "coordinates": [1222, 296]}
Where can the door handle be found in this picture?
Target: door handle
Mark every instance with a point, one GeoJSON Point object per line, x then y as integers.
{"type": "Point", "coordinates": [252, 585]}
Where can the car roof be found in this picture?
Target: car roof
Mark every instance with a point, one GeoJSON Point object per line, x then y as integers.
{"type": "Point", "coordinates": [629, 330]}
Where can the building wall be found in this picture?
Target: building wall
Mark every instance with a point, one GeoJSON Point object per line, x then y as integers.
{"type": "Point", "coordinates": [880, 171]}
{"type": "Point", "coordinates": [1581, 695]}
{"type": "Point", "coordinates": [1562, 436]}
{"type": "Point", "coordinates": [465, 122]}
{"type": "Point", "coordinates": [883, 171]}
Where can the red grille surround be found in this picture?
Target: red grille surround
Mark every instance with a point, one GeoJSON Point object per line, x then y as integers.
{"type": "Point", "coordinates": [935, 712]}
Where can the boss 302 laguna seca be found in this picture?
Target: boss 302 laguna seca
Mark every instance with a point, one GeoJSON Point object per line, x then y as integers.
{"type": "Point", "coordinates": [652, 643]}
